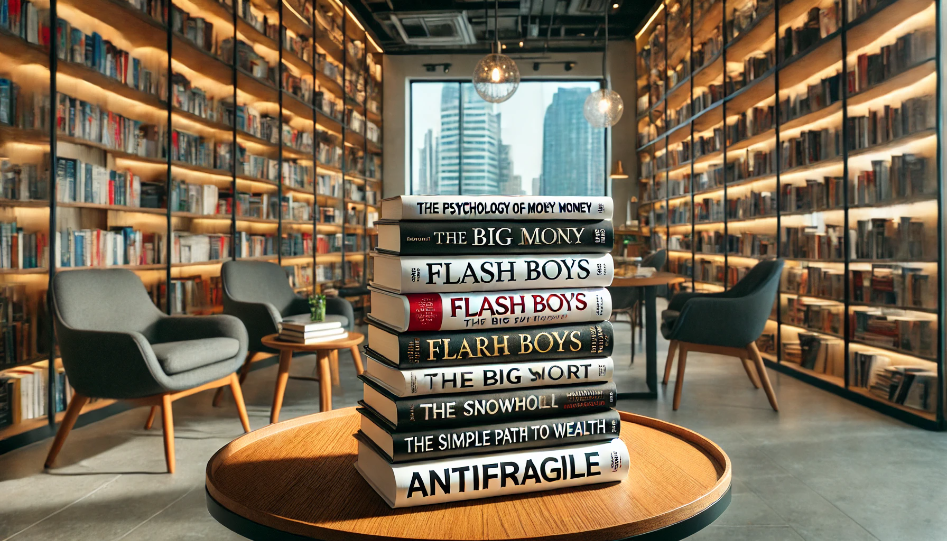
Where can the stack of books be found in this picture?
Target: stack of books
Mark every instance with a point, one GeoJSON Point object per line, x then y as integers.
{"type": "Point", "coordinates": [488, 369]}
{"type": "Point", "coordinates": [302, 329]}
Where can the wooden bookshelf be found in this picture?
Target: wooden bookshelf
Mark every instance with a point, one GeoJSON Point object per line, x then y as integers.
{"type": "Point", "coordinates": [191, 101]}
{"type": "Point", "coordinates": [753, 146]}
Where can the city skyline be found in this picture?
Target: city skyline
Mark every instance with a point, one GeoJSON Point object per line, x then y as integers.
{"type": "Point", "coordinates": [504, 143]}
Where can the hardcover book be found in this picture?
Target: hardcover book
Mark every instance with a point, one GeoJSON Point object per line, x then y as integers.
{"type": "Point", "coordinates": [482, 476]}
{"type": "Point", "coordinates": [429, 411]}
{"type": "Point", "coordinates": [493, 438]}
{"type": "Point", "coordinates": [494, 237]}
{"type": "Point", "coordinates": [418, 274]}
{"type": "Point", "coordinates": [476, 378]}
{"type": "Point", "coordinates": [460, 311]}
{"type": "Point", "coordinates": [428, 349]}
{"type": "Point", "coordinates": [489, 207]}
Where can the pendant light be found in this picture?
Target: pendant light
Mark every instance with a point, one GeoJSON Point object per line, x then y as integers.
{"type": "Point", "coordinates": [618, 170]}
{"type": "Point", "coordinates": [496, 76]}
{"type": "Point", "coordinates": [603, 108]}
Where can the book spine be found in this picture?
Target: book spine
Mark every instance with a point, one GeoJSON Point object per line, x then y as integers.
{"type": "Point", "coordinates": [463, 274]}
{"type": "Point", "coordinates": [511, 436]}
{"type": "Point", "coordinates": [435, 311]}
{"type": "Point", "coordinates": [431, 411]}
{"type": "Point", "coordinates": [503, 208]}
{"type": "Point", "coordinates": [466, 379]}
{"type": "Point", "coordinates": [485, 476]}
{"type": "Point", "coordinates": [477, 237]}
{"type": "Point", "coordinates": [427, 349]}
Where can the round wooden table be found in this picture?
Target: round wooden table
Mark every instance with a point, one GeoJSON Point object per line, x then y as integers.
{"type": "Point", "coordinates": [327, 365]}
{"type": "Point", "coordinates": [297, 480]}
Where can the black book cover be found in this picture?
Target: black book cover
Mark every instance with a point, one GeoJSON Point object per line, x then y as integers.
{"type": "Point", "coordinates": [453, 410]}
{"type": "Point", "coordinates": [497, 237]}
{"type": "Point", "coordinates": [439, 348]}
{"type": "Point", "coordinates": [493, 438]}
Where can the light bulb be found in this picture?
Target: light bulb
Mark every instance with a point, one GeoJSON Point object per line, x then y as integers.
{"type": "Point", "coordinates": [603, 108]}
{"type": "Point", "coordinates": [496, 77]}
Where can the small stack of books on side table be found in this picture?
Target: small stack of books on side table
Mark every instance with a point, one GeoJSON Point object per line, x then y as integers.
{"type": "Point", "coordinates": [488, 369]}
{"type": "Point", "coordinates": [302, 330]}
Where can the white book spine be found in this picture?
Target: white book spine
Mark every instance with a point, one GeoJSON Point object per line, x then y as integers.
{"type": "Point", "coordinates": [460, 311]}
{"type": "Point", "coordinates": [419, 274]}
{"type": "Point", "coordinates": [449, 207]}
{"type": "Point", "coordinates": [493, 377]}
{"type": "Point", "coordinates": [484, 476]}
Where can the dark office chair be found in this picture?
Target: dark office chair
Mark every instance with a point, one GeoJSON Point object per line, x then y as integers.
{"type": "Point", "coordinates": [259, 294]}
{"type": "Point", "coordinates": [627, 300]}
{"type": "Point", "coordinates": [116, 344]}
{"type": "Point", "coordinates": [726, 323]}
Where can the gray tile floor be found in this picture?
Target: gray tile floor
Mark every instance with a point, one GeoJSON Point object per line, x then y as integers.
{"type": "Point", "coordinates": [821, 469]}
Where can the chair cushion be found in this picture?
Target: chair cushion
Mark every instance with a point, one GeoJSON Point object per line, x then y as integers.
{"type": "Point", "coordinates": [178, 357]}
{"type": "Point", "coordinates": [668, 320]}
{"type": "Point", "coordinates": [341, 319]}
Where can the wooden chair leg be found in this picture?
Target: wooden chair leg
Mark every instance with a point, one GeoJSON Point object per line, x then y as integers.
{"type": "Point", "coordinates": [679, 384]}
{"type": "Point", "coordinates": [334, 366]}
{"type": "Point", "coordinates": [761, 371]}
{"type": "Point", "coordinates": [72, 413]}
{"type": "Point", "coordinates": [285, 358]}
{"type": "Point", "coordinates": [151, 418]}
{"type": "Point", "coordinates": [749, 372]}
{"type": "Point", "coordinates": [325, 375]}
{"type": "Point", "coordinates": [238, 398]}
{"type": "Point", "coordinates": [244, 370]}
{"type": "Point", "coordinates": [357, 360]}
{"type": "Point", "coordinates": [168, 421]}
{"type": "Point", "coordinates": [672, 349]}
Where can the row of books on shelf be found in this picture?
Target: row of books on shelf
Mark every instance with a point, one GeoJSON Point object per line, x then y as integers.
{"type": "Point", "coordinates": [814, 314]}
{"type": "Point", "coordinates": [26, 20]}
{"type": "Point", "coordinates": [891, 123]}
{"type": "Point", "coordinates": [90, 122]}
{"type": "Point", "coordinates": [22, 250]}
{"type": "Point", "coordinates": [887, 285]}
{"type": "Point", "coordinates": [875, 238]}
{"type": "Point", "coordinates": [104, 248]}
{"type": "Point", "coordinates": [912, 386]}
{"type": "Point", "coordinates": [751, 205]}
{"type": "Point", "coordinates": [22, 324]}
{"type": "Point", "coordinates": [83, 182]}
{"type": "Point", "coordinates": [195, 294]}
{"type": "Point", "coordinates": [813, 195]}
{"type": "Point", "coordinates": [814, 281]}
{"type": "Point", "coordinates": [24, 391]}
{"type": "Point", "coordinates": [751, 122]}
{"type": "Point", "coordinates": [819, 353]}
{"type": "Point", "coordinates": [817, 96]}
{"type": "Point", "coordinates": [94, 52]}
{"type": "Point", "coordinates": [820, 23]}
{"type": "Point", "coordinates": [22, 181]}
{"type": "Point", "coordinates": [296, 244]}
{"type": "Point", "coordinates": [197, 30]}
{"type": "Point", "coordinates": [905, 176]}
{"type": "Point", "coordinates": [910, 332]}
{"type": "Point", "coordinates": [906, 52]}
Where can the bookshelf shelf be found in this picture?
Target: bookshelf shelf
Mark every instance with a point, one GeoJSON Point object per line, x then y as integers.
{"type": "Point", "coordinates": [829, 146]}
{"type": "Point", "coordinates": [202, 65]}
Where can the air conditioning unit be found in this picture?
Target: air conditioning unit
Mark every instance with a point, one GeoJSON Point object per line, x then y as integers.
{"type": "Point", "coordinates": [434, 29]}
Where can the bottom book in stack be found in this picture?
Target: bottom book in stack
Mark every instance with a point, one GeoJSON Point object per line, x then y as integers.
{"type": "Point", "coordinates": [428, 449]}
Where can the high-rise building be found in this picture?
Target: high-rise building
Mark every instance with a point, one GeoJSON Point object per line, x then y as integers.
{"type": "Point", "coordinates": [573, 151]}
{"type": "Point", "coordinates": [427, 169]}
{"type": "Point", "coordinates": [480, 154]}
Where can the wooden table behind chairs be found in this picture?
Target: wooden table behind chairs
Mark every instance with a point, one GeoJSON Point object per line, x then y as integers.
{"type": "Point", "coordinates": [650, 286]}
{"type": "Point", "coordinates": [327, 365]}
{"type": "Point", "coordinates": [297, 480]}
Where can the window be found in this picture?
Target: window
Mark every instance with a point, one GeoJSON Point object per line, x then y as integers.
{"type": "Point", "coordinates": [536, 143]}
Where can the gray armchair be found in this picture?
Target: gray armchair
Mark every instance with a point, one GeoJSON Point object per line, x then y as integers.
{"type": "Point", "coordinates": [116, 344]}
{"type": "Point", "coordinates": [627, 300]}
{"type": "Point", "coordinates": [258, 293]}
{"type": "Point", "coordinates": [727, 323]}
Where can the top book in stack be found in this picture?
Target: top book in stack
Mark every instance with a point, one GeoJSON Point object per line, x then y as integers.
{"type": "Point", "coordinates": [445, 225]}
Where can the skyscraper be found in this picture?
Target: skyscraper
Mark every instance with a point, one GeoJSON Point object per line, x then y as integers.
{"type": "Point", "coordinates": [427, 169]}
{"type": "Point", "coordinates": [480, 154]}
{"type": "Point", "coordinates": [573, 151]}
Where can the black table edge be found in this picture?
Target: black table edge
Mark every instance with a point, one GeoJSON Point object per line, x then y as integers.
{"type": "Point", "coordinates": [258, 532]}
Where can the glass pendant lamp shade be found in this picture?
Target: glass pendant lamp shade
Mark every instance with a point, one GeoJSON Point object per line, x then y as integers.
{"type": "Point", "coordinates": [603, 108]}
{"type": "Point", "coordinates": [496, 77]}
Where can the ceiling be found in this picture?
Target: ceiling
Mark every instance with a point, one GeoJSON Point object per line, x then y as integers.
{"type": "Point", "coordinates": [525, 26]}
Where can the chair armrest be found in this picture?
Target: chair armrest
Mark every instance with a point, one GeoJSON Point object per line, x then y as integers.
{"type": "Point", "coordinates": [175, 328]}
{"type": "Point", "coordinates": [678, 300]}
{"type": "Point", "coordinates": [341, 307]}
{"type": "Point", "coordinates": [104, 364]}
{"type": "Point", "coordinates": [260, 319]}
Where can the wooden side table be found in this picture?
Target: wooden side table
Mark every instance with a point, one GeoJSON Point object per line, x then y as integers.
{"type": "Point", "coordinates": [297, 480]}
{"type": "Point", "coordinates": [326, 356]}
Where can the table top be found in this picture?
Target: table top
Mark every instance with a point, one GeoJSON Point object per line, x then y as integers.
{"type": "Point", "coordinates": [350, 339]}
{"type": "Point", "coordinates": [656, 279]}
{"type": "Point", "coordinates": [298, 476]}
